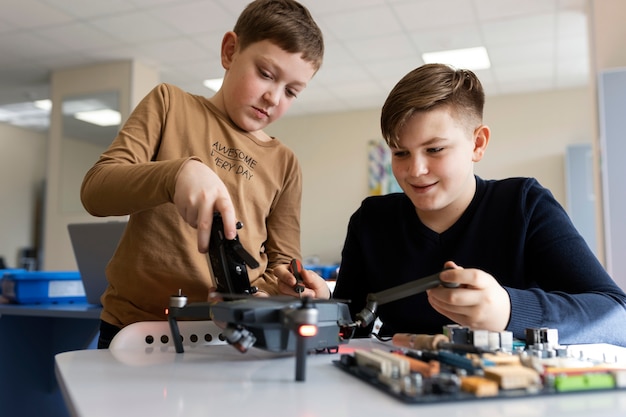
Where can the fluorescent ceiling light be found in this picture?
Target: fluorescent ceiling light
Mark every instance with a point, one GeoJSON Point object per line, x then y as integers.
{"type": "Point", "coordinates": [26, 115]}
{"type": "Point", "coordinates": [78, 105]}
{"type": "Point", "coordinates": [213, 84]}
{"type": "Point", "coordinates": [470, 58]}
{"type": "Point", "coordinates": [103, 117]}
{"type": "Point", "coordinates": [43, 104]}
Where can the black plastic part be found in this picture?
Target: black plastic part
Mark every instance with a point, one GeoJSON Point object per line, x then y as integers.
{"type": "Point", "coordinates": [228, 260]}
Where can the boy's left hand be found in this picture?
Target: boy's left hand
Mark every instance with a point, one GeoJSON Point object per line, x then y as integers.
{"type": "Point", "coordinates": [480, 302]}
{"type": "Point", "coordinates": [314, 285]}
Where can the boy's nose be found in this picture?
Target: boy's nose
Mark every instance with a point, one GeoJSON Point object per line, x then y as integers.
{"type": "Point", "coordinates": [418, 166]}
{"type": "Point", "coordinates": [272, 96]}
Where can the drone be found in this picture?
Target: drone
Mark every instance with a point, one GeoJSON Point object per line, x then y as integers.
{"type": "Point", "coordinates": [279, 323]}
{"type": "Point", "coordinates": [275, 324]}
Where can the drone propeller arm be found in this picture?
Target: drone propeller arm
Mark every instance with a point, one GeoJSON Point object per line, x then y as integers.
{"type": "Point", "coordinates": [368, 314]}
{"type": "Point", "coordinates": [244, 255]}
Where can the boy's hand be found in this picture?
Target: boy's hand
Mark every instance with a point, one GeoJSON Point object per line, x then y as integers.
{"type": "Point", "coordinates": [199, 193]}
{"type": "Point", "coordinates": [479, 302]}
{"type": "Point", "coordinates": [314, 285]}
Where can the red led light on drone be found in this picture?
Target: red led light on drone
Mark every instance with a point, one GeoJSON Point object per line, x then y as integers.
{"type": "Point", "coordinates": [307, 330]}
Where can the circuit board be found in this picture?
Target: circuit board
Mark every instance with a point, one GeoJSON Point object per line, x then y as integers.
{"type": "Point", "coordinates": [448, 371]}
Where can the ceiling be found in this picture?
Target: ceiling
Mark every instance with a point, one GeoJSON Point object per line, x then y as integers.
{"type": "Point", "coordinates": [533, 45]}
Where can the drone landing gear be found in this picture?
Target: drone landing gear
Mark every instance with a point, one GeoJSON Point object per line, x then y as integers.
{"type": "Point", "coordinates": [304, 324]}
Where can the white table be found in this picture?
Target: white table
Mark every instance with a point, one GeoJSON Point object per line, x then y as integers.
{"type": "Point", "coordinates": [218, 380]}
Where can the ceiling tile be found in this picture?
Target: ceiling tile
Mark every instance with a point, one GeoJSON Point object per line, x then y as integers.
{"type": "Point", "coordinates": [77, 36]}
{"type": "Point", "coordinates": [433, 14]}
{"type": "Point", "coordinates": [457, 37]}
{"type": "Point", "coordinates": [520, 53]}
{"type": "Point", "coordinates": [369, 44]}
{"type": "Point", "coordinates": [362, 23]}
{"type": "Point", "coordinates": [525, 29]}
{"type": "Point", "coordinates": [382, 48]}
{"type": "Point", "coordinates": [199, 16]}
{"type": "Point", "coordinates": [134, 27]}
{"type": "Point", "coordinates": [32, 13]}
{"type": "Point", "coordinates": [83, 9]}
{"type": "Point", "coordinates": [506, 9]}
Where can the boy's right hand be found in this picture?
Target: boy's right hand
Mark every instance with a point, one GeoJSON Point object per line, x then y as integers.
{"type": "Point", "coordinates": [314, 285]}
{"type": "Point", "coordinates": [199, 193]}
{"type": "Point", "coordinates": [479, 302]}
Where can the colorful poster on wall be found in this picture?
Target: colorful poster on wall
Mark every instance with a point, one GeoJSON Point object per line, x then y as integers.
{"type": "Point", "coordinates": [381, 179]}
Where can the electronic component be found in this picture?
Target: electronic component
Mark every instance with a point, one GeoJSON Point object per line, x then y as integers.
{"type": "Point", "coordinates": [418, 341]}
{"type": "Point", "coordinates": [438, 371]}
{"type": "Point", "coordinates": [367, 359]}
{"type": "Point", "coordinates": [454, 360]}
{"type": "Point", "coordinates": [399, 364]}
{"type": "Point", "coordinates": [584, 382]}
{"type": "Point", "coordinates": [430, 342]}
{"type": "Point", "coordinates": [427, 369]}
{"type": "Point", "coordinates": [510, 377]}
{"type": "Point", "coordinates": [479, 386]}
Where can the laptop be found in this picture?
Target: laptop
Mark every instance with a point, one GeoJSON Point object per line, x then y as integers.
{"type": "Point", "coordinates": [94, 245]}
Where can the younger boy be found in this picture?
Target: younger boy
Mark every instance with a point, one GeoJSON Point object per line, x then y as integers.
{"type": "Point", "coordinates": [180, 157]}
{"type": "Point", "coordinates": [509, 244]}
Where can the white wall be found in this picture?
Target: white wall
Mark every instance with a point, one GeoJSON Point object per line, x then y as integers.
{"type": "Point", "coordinates": [529, 136]}
{"type": "Point", "coordinates": [22, 171]}
{"type": "Point", "coordinates": [332, 149]}
{"type": "Point", "coordinates": [530, 132]}
{"type": "Point", "coordinates": [132, 81]}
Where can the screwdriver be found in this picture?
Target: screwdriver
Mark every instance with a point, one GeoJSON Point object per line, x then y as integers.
{"type": "Point", "coordinates": [295, 267]}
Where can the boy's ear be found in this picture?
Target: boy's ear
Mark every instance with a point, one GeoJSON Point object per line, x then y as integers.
{"type": "Point", "coordinates": [229, 46]}
{"type": "Point", "coordinates": [481, 140]}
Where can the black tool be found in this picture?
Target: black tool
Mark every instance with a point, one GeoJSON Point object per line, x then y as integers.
{"type": "Point", "coordinates": [295, 267]}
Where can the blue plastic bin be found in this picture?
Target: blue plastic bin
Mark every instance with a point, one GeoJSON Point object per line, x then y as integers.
{"type": "Point", "coordinates": [43, 287]}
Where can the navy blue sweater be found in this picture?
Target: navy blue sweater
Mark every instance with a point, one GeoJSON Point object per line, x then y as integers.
{"type": "Point", "coordinates": [514, 230]}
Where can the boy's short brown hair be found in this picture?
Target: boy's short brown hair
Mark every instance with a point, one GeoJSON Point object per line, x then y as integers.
{"type": "Point", "coordinates": [428, 87]}
{"type": "Point", "coordinates": [286, 23]}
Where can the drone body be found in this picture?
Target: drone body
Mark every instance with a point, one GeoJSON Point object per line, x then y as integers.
{"type": "Point", "coordinates": [274, 322]}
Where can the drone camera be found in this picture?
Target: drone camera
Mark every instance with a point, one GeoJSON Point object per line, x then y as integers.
{"type": "Point", "coordinates": [239, 337]}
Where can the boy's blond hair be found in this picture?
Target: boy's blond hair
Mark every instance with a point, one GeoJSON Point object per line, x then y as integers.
{"type": "Point", "coordinates": [431, 86]}
{"type": "Point", "coordinates": [286, 23]}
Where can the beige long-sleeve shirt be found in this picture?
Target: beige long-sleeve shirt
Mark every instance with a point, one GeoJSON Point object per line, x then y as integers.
{"type": "Point", "coordinates": [157, 255]}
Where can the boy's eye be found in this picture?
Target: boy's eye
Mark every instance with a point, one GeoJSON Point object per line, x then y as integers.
{"type": "Point", "coordinates": [265, 74]}
{"type": "Point", "coordinates": [434, 150]}
{"type": "Point", "coordinates": [291, 93]}
{"type": "Point", "coordinates": [399, 154]}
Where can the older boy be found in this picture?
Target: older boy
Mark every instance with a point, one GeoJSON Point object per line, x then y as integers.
{"type": "Point", "coordinates": [518, 259]}
{"type": "Point", "coordinates": [180, 157]}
